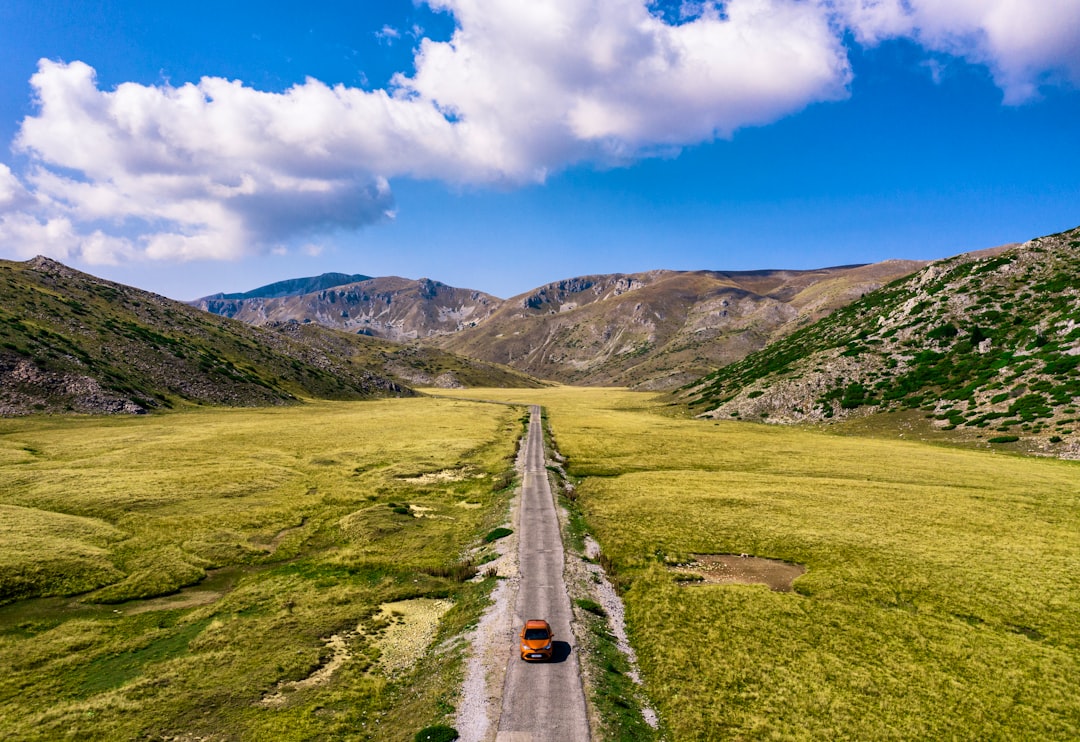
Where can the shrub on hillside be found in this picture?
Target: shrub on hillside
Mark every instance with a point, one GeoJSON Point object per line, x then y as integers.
{"type": "Point", "coordinates": [497, 534]}
{"type": "Point", "coordinates": [436, 733]}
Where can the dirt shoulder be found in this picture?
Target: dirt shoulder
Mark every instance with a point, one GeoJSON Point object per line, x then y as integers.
{"type": "Point", "coordinates": [485, 668]}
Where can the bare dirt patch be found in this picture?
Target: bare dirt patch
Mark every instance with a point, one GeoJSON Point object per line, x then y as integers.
{"type": "Point", "coordinates": [740, 569]}
{"type": "Point", "coordinates": [437, 477]}
{"type": "Point", "coordinates": [402, 631]}
{"type": "Point", "coordinates": [420, 511]}
{"type": "Point", "coordinates": [412, 626]}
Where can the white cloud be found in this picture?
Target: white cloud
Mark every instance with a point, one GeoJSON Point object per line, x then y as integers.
{"type": "Point", "coordinates": [26, 236]}
{"type": "Point", "coordinates": [1025, 44]}
{"type": "Point", "coordinates": [388, 34]}
{"type": "Point", "coordinates": [216, 169]}
{"type": "Point", "coordinates": [13, 195]}
{"type": "Point", "coordinates": [546, 84]}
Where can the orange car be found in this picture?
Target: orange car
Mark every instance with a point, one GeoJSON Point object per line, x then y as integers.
{"type": "Point", "coordinates": [536, 640]}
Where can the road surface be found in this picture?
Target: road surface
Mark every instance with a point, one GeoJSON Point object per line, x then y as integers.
{"type": "Point", "coordinates": [542, 700]}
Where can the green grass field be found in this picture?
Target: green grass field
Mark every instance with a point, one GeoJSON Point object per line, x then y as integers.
{"type": "Point", "coordinates": [941, 601]}
{"type": "Point", "coordinates": [215, 552]}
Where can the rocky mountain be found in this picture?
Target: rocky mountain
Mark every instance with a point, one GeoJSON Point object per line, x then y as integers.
{"type": "Point", "coordinates": [70, 342]}
{"type": "Point", "coordinates": [292, 287]}
{"type": "Point", "coordinates": [986, 345]}
{"type": "Point", "coordinates": [648, 330]}
{"type": "Point", "coordinates": [659, 329]}
{"type": "Point", "coordinates": [394, 308]}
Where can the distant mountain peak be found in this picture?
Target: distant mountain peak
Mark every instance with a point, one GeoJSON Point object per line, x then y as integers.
{"type": "Point", "coordinates": [294, 287]}
{"type": "Point", "coordinates": [389, 307]}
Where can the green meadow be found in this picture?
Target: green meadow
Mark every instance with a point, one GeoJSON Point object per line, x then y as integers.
{"type": "Point", "coordinates": [193, 574]}
{"type": "Point", "coordinates": [942, 592]}
{"type": "Point", "coordinates": [186, 575]}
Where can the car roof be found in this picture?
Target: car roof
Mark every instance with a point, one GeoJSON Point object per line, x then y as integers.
{"type": "Point", "coordinates": [536, 623]}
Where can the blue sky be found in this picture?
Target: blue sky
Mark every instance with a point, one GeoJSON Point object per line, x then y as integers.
{"type": "Point", "coordinates": [589, 137]}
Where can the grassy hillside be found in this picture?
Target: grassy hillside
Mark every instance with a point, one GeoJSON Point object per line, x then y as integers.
{"type": "Point", "coordinates": [410, 364]}
{"type": "Point", "coordinates": [70, 342]}
{"type": "Point", "coordinates": [984, 345]}
{"type": "Point", "coordinates": [268, 574]}
{"type": "Point", "coordinates": [73, 342]}
{"type": "Point", "coordinates": [940, 599]}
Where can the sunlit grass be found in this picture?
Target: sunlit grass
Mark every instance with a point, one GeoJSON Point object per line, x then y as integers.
{"type": "Point", "coordinates": [300, 506]}
{"type": "Point", "coordinates": [941, 599]}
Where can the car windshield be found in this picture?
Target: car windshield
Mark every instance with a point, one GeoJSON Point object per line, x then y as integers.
{"type": "Point", "coordinates": [536, 634]}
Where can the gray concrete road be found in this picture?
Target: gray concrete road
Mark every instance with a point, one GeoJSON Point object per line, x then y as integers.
{"type": "Point", "coordinates": [542, 700]}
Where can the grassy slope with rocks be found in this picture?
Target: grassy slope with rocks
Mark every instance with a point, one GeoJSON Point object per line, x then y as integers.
{"type": "Point", "coordinates": [408, 363]}
{"type": "Point", "coordinates": [985, 344]}
{"type": "Point", "coordinates": [70, 342]}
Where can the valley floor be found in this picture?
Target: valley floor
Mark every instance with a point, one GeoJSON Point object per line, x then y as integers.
{"type": "Point", "coordinates": [241, 574]}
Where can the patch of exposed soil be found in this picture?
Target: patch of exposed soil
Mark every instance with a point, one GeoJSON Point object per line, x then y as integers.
{"type": "Point", "coordinates": [405, 630]}
{"type": "Point", "coordinates": [419, 511]}
{"type": "Point", "coordinates": [412, 626]}
{"type": "Point", "coordinates": [438, 477]}
{"type": "Point", "coordinates": [741, 569]}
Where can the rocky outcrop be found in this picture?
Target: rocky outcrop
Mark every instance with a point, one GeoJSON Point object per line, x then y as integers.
{"type": "Point", "coordinates": [26, 389]}
{"type": "Point", "coordinates": [985, 344]}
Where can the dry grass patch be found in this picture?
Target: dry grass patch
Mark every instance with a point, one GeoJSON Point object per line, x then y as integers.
{"type": "Point", "coordinates": [739, 569]}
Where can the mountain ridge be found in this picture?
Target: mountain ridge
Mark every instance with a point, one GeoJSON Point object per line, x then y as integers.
{"type": "Point", "coordinates": [389, 307]}
{"type": "Point", "coordinates": [658, 329]}
{"type": "Point", "coordinates": [581, 330]}
{"type": "Point", "coordinates": [293, 287]}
